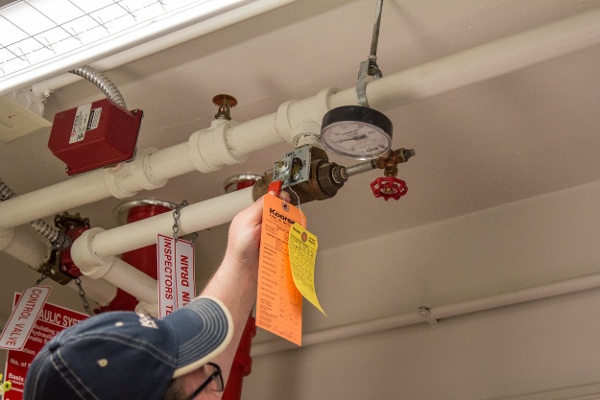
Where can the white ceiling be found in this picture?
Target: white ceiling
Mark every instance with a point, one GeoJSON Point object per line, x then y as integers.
{"type": "Point", "coordinates": [513, 137]}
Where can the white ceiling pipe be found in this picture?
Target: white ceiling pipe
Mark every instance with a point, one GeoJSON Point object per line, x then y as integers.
{"type": "Point", "coordinates": [93, 252]}
{"type": "Point", "coordinates": [25, 245]}
{"type": "Point", "coordinates": [122, 181]}
{"type": "Point", "coordinates": [435, 314]}
{"type": "Point", "coordinates": [112, 269]}
{"type": "Point", "coordinates": [38, 204]}
{"type": "Point", "coordinates": [232, 143]}
{"type": "Point", "coordinates": [164, 42]}
{"type": "Point", "coordinates": [480, 63]}
{"type": "Point", "coordinates": [193, 218]}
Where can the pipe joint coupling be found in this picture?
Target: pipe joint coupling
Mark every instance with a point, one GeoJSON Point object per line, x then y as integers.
{"type": "Point", "coordinates": [211, 148]}
{"type": "Point", "coordinates": [112, 180]}
{"type": "Point", "coordinates": [141, 171]}
{"type": "Point", "coordinates": [126, 179]}
{"type": "Point", "coordinates": [84, 257]}
{"type": "Point", "coordinates": [298, 119]}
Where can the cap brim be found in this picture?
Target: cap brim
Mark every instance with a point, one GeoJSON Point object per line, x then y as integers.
{"type": "Point", "coordinates": [204, 328]}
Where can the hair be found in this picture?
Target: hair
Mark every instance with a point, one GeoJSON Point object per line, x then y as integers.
{"type": "Point", "coordinates": [175, 391]}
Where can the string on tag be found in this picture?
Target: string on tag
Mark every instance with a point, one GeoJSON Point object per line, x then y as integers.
{"type": "Point", "coordinates": [285, 206]}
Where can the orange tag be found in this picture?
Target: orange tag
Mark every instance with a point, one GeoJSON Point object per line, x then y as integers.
{"type": "Point", "coordinates": [278, 302]}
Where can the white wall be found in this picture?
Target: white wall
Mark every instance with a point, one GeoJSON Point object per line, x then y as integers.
{"type": "Point", "coordinates": [539, 347]}
{"type": "Point", "coordinates": [546, 349]}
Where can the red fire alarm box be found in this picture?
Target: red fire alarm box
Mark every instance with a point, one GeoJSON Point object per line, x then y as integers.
{"type": "Point", "coordinates": [94, 135]}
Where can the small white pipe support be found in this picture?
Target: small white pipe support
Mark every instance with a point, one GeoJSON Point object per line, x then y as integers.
{"type": "Point", "coordinates": [209, 149]}
{"type": "Point", "coordinates": [111, 268]}
{"type": "Point", "coordinates": [435, 314]}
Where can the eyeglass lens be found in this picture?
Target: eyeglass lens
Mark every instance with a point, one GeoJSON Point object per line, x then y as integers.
{"type": "Point", "coordinates": [215, 376]}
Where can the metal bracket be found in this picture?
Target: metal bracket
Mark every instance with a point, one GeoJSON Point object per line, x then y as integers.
{"type": "Point", "coordinates": [294, 167]}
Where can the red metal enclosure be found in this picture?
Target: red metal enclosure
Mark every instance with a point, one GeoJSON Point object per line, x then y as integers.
{"type": "Point", "coordinates": [94, 135]}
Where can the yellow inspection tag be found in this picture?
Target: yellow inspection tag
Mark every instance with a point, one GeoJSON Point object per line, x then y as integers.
{"type": "Point", "coordinates": [302, 248]}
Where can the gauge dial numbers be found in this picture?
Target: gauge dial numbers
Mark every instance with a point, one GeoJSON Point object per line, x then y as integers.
{"type": "Point", "coordinates": [357, 132]}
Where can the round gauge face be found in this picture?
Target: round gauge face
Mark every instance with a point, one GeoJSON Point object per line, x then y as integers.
{"type": "Point", "coordinates": [354, 139]}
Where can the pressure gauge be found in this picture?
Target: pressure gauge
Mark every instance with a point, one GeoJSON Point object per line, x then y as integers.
{"type": "Point", "coordinates": [357, 132]}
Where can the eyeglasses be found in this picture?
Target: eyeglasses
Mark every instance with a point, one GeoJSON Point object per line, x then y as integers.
{"type": "Point", "coordinates": [215, 376]}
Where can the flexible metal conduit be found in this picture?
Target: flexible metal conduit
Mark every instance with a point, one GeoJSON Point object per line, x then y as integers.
{"type": "Point", "coordinates": [53, 235]}
{"type": "Point", "coordinates": [435, 314]}
{"type": "Point", "coordinates": [102, 82]}
{"type": "Point", "coordinates": [210, 149]}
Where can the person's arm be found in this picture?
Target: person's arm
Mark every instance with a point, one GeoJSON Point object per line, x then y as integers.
{"type": "Point", "coordinates": [235, 281]}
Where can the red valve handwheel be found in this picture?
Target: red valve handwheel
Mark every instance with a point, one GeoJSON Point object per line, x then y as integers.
{"type": "Point", "coordinates": [389, 187]}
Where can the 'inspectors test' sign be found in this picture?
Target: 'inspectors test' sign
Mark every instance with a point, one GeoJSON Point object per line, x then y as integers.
{"type": "Point", "coordinates": [176, 281]}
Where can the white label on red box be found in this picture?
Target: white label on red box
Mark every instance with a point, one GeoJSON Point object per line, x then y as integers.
{"type": "Point", "coordinates": [82, 116]}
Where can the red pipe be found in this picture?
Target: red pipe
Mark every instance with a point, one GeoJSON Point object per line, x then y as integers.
{"type": "Point", "coordinates": [242, 363]}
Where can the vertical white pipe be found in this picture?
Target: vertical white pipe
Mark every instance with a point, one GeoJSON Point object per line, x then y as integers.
{"type": "Point", "coordinates": [132, 280]}
{"type": "Point", "coordinates": [99, 290]}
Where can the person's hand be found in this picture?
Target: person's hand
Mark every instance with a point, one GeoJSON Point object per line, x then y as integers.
{"type": "Point", "coordinates": [244, 232]}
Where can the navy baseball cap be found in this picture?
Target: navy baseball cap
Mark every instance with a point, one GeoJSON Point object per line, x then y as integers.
{"type": "Point", "coordinates": [128, 355]}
